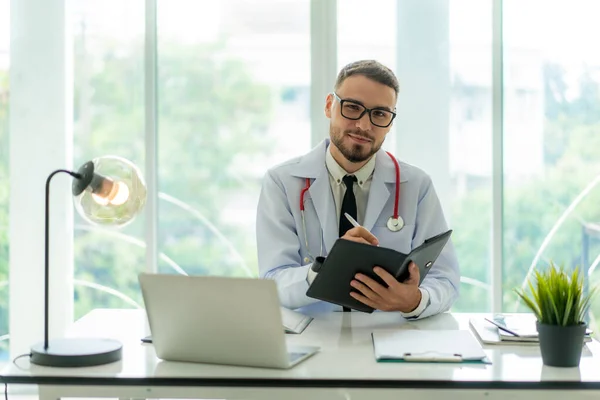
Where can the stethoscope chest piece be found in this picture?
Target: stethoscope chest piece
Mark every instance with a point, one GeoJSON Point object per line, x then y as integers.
{"type": "Point", "coordinates": [395, 224]}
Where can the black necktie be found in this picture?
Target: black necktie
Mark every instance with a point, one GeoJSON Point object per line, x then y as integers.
{"type": "Point", "coordinates": [348, 206]}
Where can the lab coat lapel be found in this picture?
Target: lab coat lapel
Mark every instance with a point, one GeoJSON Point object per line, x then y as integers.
{"type": "Point", "coordinates": [380, 191]}
{"type": "Point", "coordinates": [313, 166]}
{"type": "Point", "coordinates": [320, 192]}
{"type": "Point", "coordinates": [378, 197]}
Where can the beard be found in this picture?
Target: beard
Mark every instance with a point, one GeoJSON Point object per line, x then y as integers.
{"type": "Point", "coordinates": [354, 152]}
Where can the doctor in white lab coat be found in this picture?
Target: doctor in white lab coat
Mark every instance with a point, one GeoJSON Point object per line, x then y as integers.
{"type": "Point", "coordinates": [361, 111]}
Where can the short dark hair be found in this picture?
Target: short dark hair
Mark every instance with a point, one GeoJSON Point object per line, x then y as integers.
{"type": "Point", "coordinates": [371, 69]}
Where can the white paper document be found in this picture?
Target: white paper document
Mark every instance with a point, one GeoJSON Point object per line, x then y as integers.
{"type": "Point", "coordinates": [426, 345]}
{"type": "Point", "coordinates": [294, 322]}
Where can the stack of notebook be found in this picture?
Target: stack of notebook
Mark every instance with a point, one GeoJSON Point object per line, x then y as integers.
{"type": "Point", "coordinates": [508, 329]}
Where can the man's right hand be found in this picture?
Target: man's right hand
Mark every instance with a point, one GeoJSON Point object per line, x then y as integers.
{"type": "Point", "coordinates": [361, 235]}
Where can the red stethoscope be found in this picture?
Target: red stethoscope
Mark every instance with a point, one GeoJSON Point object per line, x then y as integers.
{"type": "Point", "coordinates": [394, 223]}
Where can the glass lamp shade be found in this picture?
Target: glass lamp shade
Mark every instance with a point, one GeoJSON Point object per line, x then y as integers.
{"type": "Point", "coordinates": [110, 191]}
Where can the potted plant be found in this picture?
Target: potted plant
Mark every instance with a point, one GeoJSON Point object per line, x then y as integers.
{"type": "Point", "coordinates": [559, 304]}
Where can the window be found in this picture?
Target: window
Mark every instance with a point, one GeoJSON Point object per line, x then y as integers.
{"type": "Point", "coordinates": [468, 196]}
{"type": "Point", "coordinates": [233, 97]}
{"type": "Point", "coordinates": [552, 145]}
{"type": "Point", "coordinates": [234, 88]}
{"type": "Point", "coordinates": [443, 62]}
{"type": "Point", "coordinates": [4, 177]}
{"type": "Point", "coordinates": [234, 81]}
{"type": "Point", "coordinates": [367, 31]}
{"type": "Point", "coordinates": [109, 119]}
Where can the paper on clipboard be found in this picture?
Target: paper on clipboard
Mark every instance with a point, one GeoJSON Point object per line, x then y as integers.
{"type": "Point", "coordinates": [427, 346]}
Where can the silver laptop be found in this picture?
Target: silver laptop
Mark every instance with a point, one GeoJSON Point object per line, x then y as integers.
{"type": "Point", "coordinates": [218, 320]}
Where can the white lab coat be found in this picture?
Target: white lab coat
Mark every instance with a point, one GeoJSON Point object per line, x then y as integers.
{"type": "Point", "coordinates": [280, 236]}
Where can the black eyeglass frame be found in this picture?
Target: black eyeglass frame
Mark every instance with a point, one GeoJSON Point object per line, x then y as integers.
{"type": "Point", "coordinates": [369, 110]}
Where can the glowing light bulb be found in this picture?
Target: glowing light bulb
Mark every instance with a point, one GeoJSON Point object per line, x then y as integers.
{"type": "Point", "coordinates": [119, 194]}
{"type": "Point", "coordinates": [111, 192]}
{"type": "Point", "coordinates": [101, 200]}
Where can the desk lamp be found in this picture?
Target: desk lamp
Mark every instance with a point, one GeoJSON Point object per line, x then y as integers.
{"type": "Point", "coordinates": [107, 191]}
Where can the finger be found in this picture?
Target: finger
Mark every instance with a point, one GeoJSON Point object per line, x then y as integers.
{"type": "Point", "coordinates": [364, 300]}
{"type": "Point", "coordinates": [359, 231]}
{"type": "Point", "coordinates": [388, 278]}
{"type": "Point", "coordinates": [355, 239]}
{"type": "Point", "coordinates": [415, 274]}
{"type": "Point", "coordinates": [364, 289]}
{"type": "Point", "coordinates": [371, 284]}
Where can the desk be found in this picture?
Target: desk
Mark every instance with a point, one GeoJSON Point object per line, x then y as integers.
{"type": "Point", "coordinates": [344, 369]}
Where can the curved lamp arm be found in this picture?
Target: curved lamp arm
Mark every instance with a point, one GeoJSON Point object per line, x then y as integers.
{"type": "Point", "coordinates": [46, 250]}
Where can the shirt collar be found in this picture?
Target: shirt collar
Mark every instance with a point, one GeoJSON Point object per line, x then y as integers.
{"type": "Point", "coordinates": [337, 172]}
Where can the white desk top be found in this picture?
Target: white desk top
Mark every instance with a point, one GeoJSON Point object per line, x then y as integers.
{"type": "Point", "coordinates": [346, 357]}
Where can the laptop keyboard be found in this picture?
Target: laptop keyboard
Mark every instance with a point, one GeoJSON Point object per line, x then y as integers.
{"type": "Point", "coordinates": [294, 356]}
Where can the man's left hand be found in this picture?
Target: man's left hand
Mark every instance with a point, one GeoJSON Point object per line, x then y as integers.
{"type": "Point", "coordinates": [398, 296]}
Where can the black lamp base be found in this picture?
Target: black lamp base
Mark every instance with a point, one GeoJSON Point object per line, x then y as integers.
{"type": "Point", "coordinates": [76, 352]}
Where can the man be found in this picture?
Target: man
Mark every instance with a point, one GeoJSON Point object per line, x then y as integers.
{"type": "Point", "coordinates": [361, 110]}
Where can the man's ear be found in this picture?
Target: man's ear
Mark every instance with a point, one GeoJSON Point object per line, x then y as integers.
{"type": "Point", "coordinates": [328, 105]}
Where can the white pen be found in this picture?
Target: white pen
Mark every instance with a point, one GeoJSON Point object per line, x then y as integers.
{"type": "Point", "coordinates": [352, 220]}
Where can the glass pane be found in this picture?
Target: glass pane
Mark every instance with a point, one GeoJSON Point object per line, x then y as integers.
{"type": "Point", "coordinates": [109, 119]}
{"type": "Point", "coordinates": [376, 39]}
{"type": "Point", "coordinates": [441, 53]}
{"type": "Point", "coordinates": [552, 140]}
{"type": "Point", "coordinates": [367, 31]}
{"type": "Point", "coordinates": [233, 101]}
{"type": "Point", "coordinates": [4, 186]}
{"type": "Point", "coordinates": [470, 149]}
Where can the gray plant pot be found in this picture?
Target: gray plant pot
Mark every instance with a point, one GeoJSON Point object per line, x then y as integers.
{"type": "Point", "coordinates": [561, 346]}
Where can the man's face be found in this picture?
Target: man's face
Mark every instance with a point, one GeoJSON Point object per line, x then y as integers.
{"type": "Point", "coordinates": [358, 140]}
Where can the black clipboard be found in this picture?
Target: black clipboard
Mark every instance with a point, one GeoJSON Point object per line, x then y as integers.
{"type": "Point", "coordinates": [347, 258]}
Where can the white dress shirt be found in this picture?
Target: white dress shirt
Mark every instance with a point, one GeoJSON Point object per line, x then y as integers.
{"type": "Point", "coordinates": [361, 191]}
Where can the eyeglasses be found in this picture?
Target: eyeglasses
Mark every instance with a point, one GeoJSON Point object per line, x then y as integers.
{"type": "Point", "coordinates": [350, 109]}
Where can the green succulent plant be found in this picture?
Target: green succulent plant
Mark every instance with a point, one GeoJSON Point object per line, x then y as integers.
{"type": "Point", "coordinates": [557, 297]}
